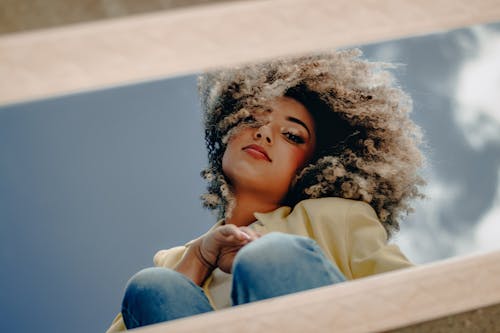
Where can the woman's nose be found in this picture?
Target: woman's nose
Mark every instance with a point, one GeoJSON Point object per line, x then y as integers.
{"type": "Point", "coordinates": [264, 133]}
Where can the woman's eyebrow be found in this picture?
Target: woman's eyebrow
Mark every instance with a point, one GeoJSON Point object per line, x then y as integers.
{"type": "Point", "coordinates": [300, 122]}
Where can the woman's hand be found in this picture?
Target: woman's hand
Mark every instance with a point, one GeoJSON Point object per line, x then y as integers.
{"type": "Point", "coordinates": [215, 249]}
{"type": "Point", "coordinates": [219, 247]}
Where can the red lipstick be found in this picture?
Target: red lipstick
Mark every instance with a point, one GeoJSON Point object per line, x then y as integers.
{"type": "Point", "coordinates": [257, 152]}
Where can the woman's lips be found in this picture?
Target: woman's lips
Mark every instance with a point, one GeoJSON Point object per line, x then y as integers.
{"type": "Point", "coordinates": [257, 152]}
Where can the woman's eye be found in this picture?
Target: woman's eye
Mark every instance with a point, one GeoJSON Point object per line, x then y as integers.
{"type": "Point", "coordinates": [249, 119]}
{"type": "Point", "coordinates": [294, 138]}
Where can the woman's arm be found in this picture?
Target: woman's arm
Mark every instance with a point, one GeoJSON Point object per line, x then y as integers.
{"type": "Point", "coordinates": [370, 252]}
{"type": "Point", "coordinates": [193, 266]}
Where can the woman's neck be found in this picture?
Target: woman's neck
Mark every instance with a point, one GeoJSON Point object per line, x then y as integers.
{"type": "Point", "coordinates": [245, 206]}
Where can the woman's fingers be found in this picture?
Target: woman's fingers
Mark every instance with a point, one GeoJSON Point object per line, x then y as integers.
{"type": "Point", "coordinates": [225, 241]}
{"type": "Point", "coordinates": [240, 234]}
{"type": "Point", "coordinates": [250, 232]}
{"type": "Point", "coordinates": [230, 230]}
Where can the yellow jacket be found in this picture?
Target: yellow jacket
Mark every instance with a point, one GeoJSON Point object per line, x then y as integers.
{"type": "Point", "coordinates": [348, 232]}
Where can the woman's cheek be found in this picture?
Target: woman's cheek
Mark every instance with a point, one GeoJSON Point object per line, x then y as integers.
{"type": "Point", "coordinates": [298, 157]}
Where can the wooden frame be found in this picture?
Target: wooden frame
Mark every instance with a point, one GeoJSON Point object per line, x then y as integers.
{"type": "Point", "coordinates": [95, 55]}
{"type": "Point", "coordinates": [456, 295]}
{"type": "Point", "coordinates": [101, 54]}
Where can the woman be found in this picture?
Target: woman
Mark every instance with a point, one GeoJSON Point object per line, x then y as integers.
{"type": "Point", "coordinates": [313, 160]}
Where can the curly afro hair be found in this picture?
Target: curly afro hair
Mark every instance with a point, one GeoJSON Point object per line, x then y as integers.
{"type": "Point", "coordinates": [367, 147]}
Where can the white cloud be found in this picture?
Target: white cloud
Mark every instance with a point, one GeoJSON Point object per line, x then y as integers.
{"type": "Point", "coordinates": [388, 52]}
{"type": "Point", "coordinates": [487, 235]}
{"type": "Point", "coordinates": [478, 114]}
{"type": "Point", "coordinates": [478, 91]}
{"type": "Point", "coordinates": [436, 231]}
{"type": "Point", "coordinates": [425, 237]}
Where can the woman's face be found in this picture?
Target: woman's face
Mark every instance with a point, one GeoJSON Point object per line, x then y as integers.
{"type": "Point", "coordinates": [265, 159]}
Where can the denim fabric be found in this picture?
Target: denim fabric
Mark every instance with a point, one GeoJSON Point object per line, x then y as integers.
{"type": "Point", "coordinates": [279, 264]}
{"type": "Point", "coordinates": [159, 294]}
{"type": "Point", "coordinates": [273, 265]}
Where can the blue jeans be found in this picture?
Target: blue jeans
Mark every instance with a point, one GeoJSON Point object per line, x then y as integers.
{"type": "Point", "coordinates": [273, 265]}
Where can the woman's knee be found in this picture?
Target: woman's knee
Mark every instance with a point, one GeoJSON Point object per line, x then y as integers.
{"type": "Point", "coordinates": [152, 276]}
{"type": "Point", "coordinates": [160, 294]}
{"type": "Point", "coordinates": [272, 249]}
{"type": "Point", "coordinates": [153, 282]}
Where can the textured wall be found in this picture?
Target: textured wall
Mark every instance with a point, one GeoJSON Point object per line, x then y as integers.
{"type": "Point", "coordinates": [18, 16]}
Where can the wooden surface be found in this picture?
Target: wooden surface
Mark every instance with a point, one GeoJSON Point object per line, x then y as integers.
{"type": "Point", "coordinates": [457, 295]}
{"type": "Point", "coordinates": [63, 60]}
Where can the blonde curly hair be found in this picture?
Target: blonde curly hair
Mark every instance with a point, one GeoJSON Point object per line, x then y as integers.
{"type": "Point", "coordinates": [367, 148]}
